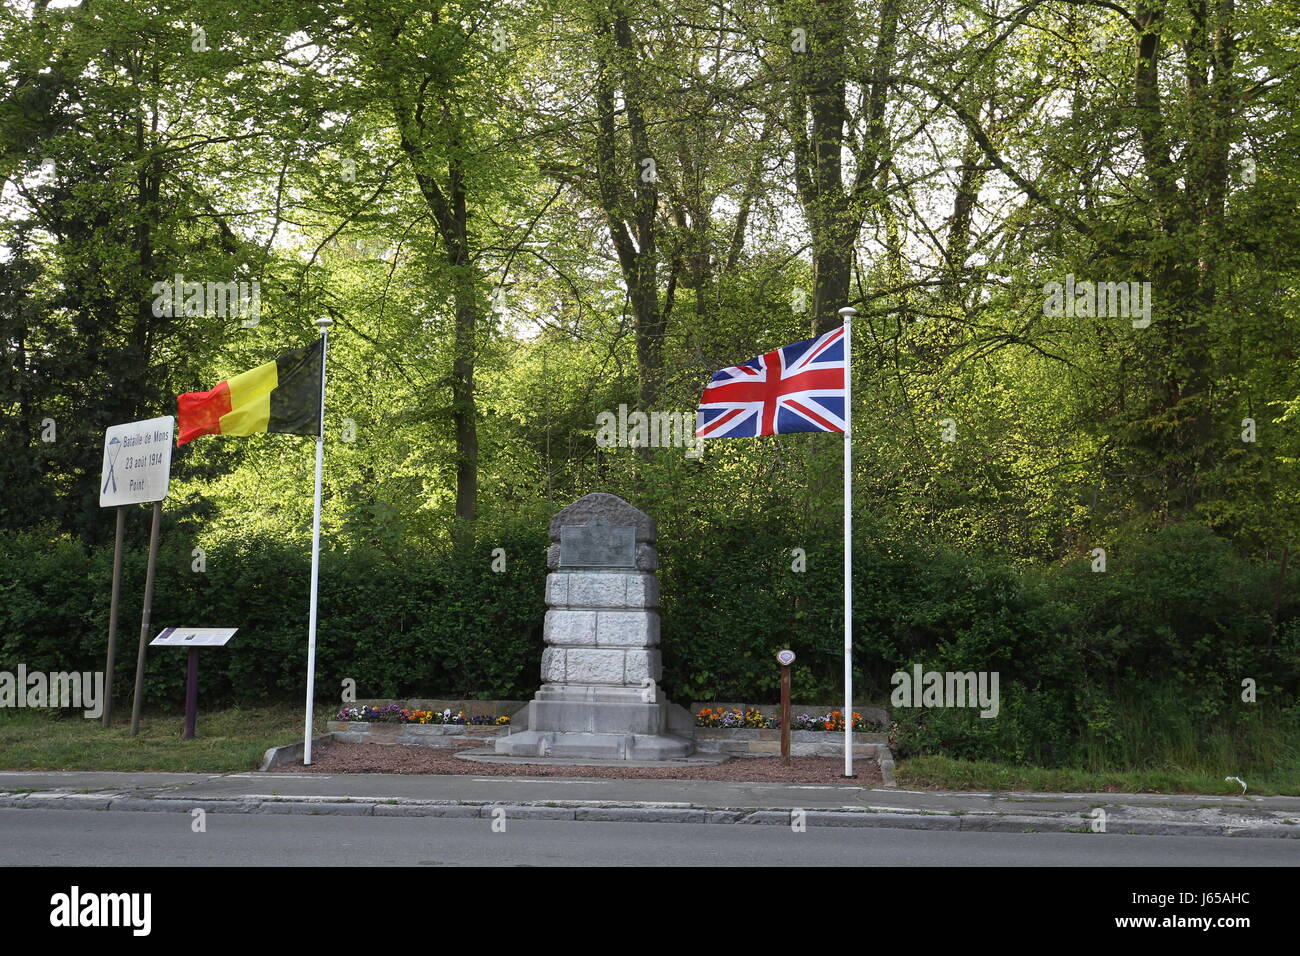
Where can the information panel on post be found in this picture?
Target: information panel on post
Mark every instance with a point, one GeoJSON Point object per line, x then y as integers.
{"type": "Point", "coordinates": [137, 462]}
{"type": "Point", "coordinates": [194, 637]}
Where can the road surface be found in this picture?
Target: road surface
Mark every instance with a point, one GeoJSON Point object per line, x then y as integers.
{"type": "Point", "coordinates": [96, 838]}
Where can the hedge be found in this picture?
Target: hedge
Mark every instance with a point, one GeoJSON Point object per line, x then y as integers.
{"type": "Point", "coordinates": [1178, 616]}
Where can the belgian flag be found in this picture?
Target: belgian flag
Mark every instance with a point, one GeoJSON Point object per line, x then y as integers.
{"type": "Point", "coordinates": [280, 396]}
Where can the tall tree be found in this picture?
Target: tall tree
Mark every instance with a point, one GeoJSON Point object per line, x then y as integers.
{"type": "Point", "coordinates": [836, 195]}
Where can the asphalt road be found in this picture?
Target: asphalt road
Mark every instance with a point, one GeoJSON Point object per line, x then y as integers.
{"type": "Point", "coordinates": [94, 838]}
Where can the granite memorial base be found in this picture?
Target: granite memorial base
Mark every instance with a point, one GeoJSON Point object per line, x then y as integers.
{"type": "Point", "coordinates": [600, 669]}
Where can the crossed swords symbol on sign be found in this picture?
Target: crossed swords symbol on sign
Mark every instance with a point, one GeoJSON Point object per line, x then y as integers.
{"type": "Point", "coordinates": [114, 449]}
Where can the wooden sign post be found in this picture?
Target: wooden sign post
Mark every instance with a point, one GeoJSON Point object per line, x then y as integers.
{"type": "Point", "coordinates": [785, 659]}
{"type": "Point", "coordinates": [137, 469]}
{"type": "Point", "coordinates": [193, 638]}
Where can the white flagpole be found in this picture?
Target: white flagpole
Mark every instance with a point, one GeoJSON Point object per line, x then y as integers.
{"type": "Point", "coordinates": [323, 324]}
{"type": "Point", "coordinates": [847, 313]}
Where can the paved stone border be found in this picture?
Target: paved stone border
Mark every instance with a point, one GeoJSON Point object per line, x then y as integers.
{"type": "Point", "coordinates": [752, 742]}
{"type": "Point", "coordinates": [871, 712]}
{"type": "Point", "coordinates": [744, 742]}
{"type": "Point", "coordinates": [412, 735]}
{"type": "Point", "coordinates": [598, 811]}
{"type": "Point", "coordinates": [473, 707]}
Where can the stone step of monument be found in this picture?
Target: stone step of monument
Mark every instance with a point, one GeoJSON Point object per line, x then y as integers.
{"type": "Point", "coordinates": [485, 755]}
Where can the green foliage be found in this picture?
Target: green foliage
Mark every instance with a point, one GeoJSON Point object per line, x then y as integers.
{"type": "Point", "coordinates": [1095, 669]}
{"type": "Point", "coordinates": [1147, 658]}
{"type": "Point", "coordinates": [448, 181]}
{"type": "Point", "coordinates": [427, 622]}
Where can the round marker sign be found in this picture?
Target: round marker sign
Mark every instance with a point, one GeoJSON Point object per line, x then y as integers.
{"type": "Point", "coordinates": [785, 658]}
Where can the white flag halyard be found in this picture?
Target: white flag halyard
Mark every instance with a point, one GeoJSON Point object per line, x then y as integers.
{"type": "Point", "coordinates": [803, 387]}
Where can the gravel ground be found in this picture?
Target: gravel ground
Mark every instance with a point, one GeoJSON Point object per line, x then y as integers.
{"type": "Point", "coordinates": [392, 758]}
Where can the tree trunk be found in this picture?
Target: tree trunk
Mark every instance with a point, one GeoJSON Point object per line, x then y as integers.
{"type": "Point", "coordinates": [818, 119]}
{"type": "Point", "coordinates": [630, 211]}
{"type": "Point", "coordinates": [449, 214]}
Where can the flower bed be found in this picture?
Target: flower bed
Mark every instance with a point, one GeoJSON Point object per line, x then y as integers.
{"type": "Point", "coordinates": [396, 714]}
{"type": "Point", "coordinates": [752, 719]}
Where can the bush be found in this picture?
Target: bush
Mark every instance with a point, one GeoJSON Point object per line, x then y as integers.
{"type": "Point", "coordinates": [432, 623]}
{"type": "Point", "coordinates": [1114, 668]}
{"type": "Point", "coordinates": [1089, 663]}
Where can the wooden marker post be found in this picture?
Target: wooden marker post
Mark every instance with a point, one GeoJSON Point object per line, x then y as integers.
{"type": "Point", "coordinates": [138, 701]}
{"type": "Point", "coordinates": [137, 469]}
{"type": "Point", "coordinates": [785, 659]}
{"type": "Point", "coordinates": [112, 615]}
{"type": "Point", "coordinates": [191, 694]}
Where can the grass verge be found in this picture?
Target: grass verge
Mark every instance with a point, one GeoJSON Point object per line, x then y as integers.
{"type": "Point", "coordinates": [225, 741]}
{"type": "Point", "coordinates": [944, 773]}
{"type": "Point", "coordinates": [235, 739]}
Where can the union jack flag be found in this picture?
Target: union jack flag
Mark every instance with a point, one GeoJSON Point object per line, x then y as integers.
{"type": "Point", "coordinates": [799, 388]}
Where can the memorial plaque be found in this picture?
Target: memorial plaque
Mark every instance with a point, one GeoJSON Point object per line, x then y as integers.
{"type": "Point", "coordinates": [597, 546]}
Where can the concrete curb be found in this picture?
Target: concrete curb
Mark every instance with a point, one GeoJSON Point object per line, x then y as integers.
{"type": "Point", "coordinates": [428, 810]}
{"type": "Point", "coordinates": [640, 813]}
{"type": "Point", "coordinates": [290, 753]}
{"type": "Point", "coordinates": [150, 804]}
{"type": "Point", "coordinates": [338, 808]}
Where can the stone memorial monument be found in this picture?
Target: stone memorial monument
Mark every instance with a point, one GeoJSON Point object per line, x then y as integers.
{"type": "Point", "coordinates": [600, 669]}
